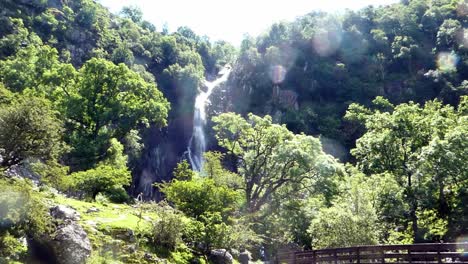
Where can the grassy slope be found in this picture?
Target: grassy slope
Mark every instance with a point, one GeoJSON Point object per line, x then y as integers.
{"type": "Point", "coordinates": [113, 229]}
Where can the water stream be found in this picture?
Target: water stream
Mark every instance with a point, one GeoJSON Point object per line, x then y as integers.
{"type": "Point", "coordinates": [197, 143]}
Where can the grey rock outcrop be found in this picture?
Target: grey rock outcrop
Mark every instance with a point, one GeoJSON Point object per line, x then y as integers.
{"type": "Point", "coordinates": [245, 257]}
{"type": "Point", "coordinates": [221, 256]}
{"type": "Point", "coordinates": [69, 242]}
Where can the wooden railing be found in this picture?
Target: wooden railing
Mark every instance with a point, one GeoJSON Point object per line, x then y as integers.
{"type": "Point", "coordinates": [395, 254]}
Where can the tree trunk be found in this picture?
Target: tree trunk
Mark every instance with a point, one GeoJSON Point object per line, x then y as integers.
{"type": "Point", "coordinates": [413, 207]}
{"type": "Point", "coordinates": [443, 205]}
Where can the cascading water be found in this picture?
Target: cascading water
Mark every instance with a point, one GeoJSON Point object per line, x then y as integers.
{"type": "Point", "coordinates": [197, 143]}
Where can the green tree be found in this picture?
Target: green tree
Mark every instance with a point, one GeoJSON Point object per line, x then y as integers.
{"type": "Point", "coordinates": [443, 160]}
{"type": "Point", "coordinates": [397, 141]}
{"type": "Point", "coordinates": [270, 156]}
{"type": "Point", "coordinates": [108, 102]}
{"type": "Point", "coordinates": [211, 206]}
{"type": "Point", "coordinates": [183, 172]}
{"type": "Point", "coordinates": [201, 196]}
{"type": "Point", "coordinates": [448, 33]}
{"type": "Point", "coordinates": [213, 169]}
{"type": "Point", "coordinates": [345, 224]}
{"type": "Point", "coordinates": [109, 176]}
{"type": "Point", "coordinates": [38, 68]}
{"type": "Point", "coordinates": [132, 12]}
{"type": "Point", "coordinates": [29, 128]}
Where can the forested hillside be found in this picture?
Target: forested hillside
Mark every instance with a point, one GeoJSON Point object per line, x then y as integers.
{"type": "Point", "coordinates": [332, 130]}
{"type": "Point", "coordinates": [308, 71]}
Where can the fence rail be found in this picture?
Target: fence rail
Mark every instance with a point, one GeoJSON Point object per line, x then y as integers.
{"type": "Point", "coordinates": [395, 254]}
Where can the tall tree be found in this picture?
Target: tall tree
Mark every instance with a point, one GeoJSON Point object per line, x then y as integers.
{"type": "Point", "coordinates": [395, 141]}
{"type": "Point", "coordinates": [109, 101]}
{"type": "Point", "coordinates": [270, 156]}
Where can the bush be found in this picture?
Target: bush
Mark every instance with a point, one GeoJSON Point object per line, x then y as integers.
{"type": "Point", "coordinates": [11, 248]}
{"type": "Point", "coordinates": [118, 195]}
{"type": "Point", "coordinates": [183, 256]}
{"type": "Point", "coordinates": [168, 229]}
{"type": "Point", "coordinates": [53, 174]}
{"type": "Point", "coordinates": [200, 195]}
{"type": "Point", "coordinates": [29, 129]}
{"type": "Point", "coordinates": [104, 178]}
{"type": "Point", "coordinates": [22, 214]}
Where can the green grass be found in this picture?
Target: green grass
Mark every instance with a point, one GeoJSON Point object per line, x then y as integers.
{"type": "Point", "coordinates": [104, 226]}
{"type": "Point", "coordinates": [111, 216]}
{"type": "Point", "coordinates": [104, 229]}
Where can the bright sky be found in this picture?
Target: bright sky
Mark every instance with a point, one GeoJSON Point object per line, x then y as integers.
{"type": "Point", "coordinates": [230, 20]}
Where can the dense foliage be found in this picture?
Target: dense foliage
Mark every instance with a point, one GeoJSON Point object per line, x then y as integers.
{"type": "Point", "coordinates": [308, 71]}
{"type": "Point", "coordinates": [85, 97]}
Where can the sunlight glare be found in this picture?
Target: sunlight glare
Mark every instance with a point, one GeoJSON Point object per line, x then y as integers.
{"type": "Point", "coordinates": [447, 61]}
{"type": "Point", "coordinates": [463, 38]}
{"type": "Point", "coordinates": [277, 74]}
{"type": "Point", "coordinates": [462, 9]}
{"type": "Point", "coordinates": [12, 200]}
{"type": "Point", "coordinates": [462, 240]}
{"type": "Point", "coordinates": [326, 42]}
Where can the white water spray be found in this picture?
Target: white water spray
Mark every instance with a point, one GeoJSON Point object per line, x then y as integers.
{"type": "Point", "coordinates": [197, 143]}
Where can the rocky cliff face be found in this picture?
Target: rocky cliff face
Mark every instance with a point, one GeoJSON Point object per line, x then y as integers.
{"type": "Point", "coordinates": [164, 149]}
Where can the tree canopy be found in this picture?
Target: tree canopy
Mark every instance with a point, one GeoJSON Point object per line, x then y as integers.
{"type": "Point", "coordinates": [270, 156]}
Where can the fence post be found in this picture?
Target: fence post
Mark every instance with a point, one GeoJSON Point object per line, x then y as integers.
{"type": "Point", "coordinates": [382, 251]}
{"type": "Point", "coordinates": [314, 257]}
{"type": "Point", "coordinates": [335, 256]}
{"type": "Point", "coordinates": [409, 255]}
{"type": "Point", "coordinates": [358, 254]}
{"type": "Point", "coordinates": [439, 258]}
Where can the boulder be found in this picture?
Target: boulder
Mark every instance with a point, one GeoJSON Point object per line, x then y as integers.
{"type": "Point", "coordinates": [245, 256]}
{"type": "Point", "coordinates": [67, 214]}
{"type": "Point", "coordinates": [123, 234]}
{"type": "Point", "coordinates": [93, 210]}
{"type": "Point", "coordinates": [69, 243]}
{"type": "Point", "coordinates": [220, 256]}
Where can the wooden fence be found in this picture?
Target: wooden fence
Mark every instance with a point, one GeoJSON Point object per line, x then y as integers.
{"type": "Point", "coordinates": [395, 254]}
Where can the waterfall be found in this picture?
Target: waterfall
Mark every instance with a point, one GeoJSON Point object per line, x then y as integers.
{"type": "Point", "coordinates": [197, 143]}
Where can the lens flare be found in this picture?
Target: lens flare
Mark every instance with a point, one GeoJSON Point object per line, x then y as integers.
{"type": "Point", "coordinates": [463, 38]}
{"type": "Point", "coordinates": [463, 245]}
{"type": "Point", "coordinates": [277, 74]}
{"type": "Point", "coordinates": [447, 61]}
{"type": "Point", "coordinates": [12, 205]}
{"type": "Point", "coordinates": [462, 9]}
{"type": "Point", "coordinates": [326, 42]}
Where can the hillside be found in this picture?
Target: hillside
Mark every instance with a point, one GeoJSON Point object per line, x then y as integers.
{"type": "Point", "coordinates": [330, 130]}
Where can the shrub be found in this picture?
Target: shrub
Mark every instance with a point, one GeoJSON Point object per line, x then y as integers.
{"type": "Point", "coordinates": [168, 229]}
{"type": "Point", "coordinates": [117, 194]}
{"type": "Point", "coordinates": [11, 248]}
{"type": "Point", "coordinates": [104, 179]}
{"type": "Point", "coordinates": [22, 213]}
{"type": "Point", "coordinates": [53, 174]}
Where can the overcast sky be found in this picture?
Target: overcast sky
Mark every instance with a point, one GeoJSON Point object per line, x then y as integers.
{"type": "Point", "coordinates": [230, 20]}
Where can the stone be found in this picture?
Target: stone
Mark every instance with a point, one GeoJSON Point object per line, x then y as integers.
{"type": "Point", "coordinates": [131, 248]}
{"type": "Point", "coordinates": [64, 213]}
{"type": "Point", "coordinates": [220, 256]}
{"type": "Point", "coordinates": [149, 257]}
{"type": "Point", "coordinates": [93, 210]}
{"type": "Point", "coordinates": [123, 234]}
{"type": "Point", "coordinates": [245, 257]}
{"type": "Point", "coordinates": [69, 243]}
